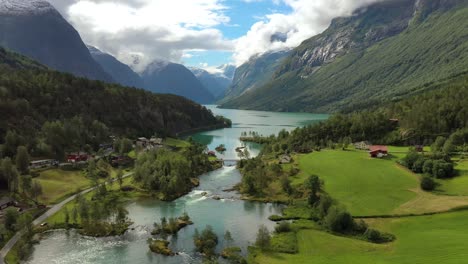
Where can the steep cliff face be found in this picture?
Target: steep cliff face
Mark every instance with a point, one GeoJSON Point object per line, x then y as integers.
{"type": "Point", "coordinates": [35, 29]}
{"type": "Point", "coordinates": [364, 28]}
{"type": "Point", "coordinates": [253, 74]}
{"type": "Point", "coordinates": [382, 52]}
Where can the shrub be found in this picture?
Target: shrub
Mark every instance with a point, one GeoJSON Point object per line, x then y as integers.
{"type": "Point", "coordinates": [427, 183]}
{"type": "Point", "coordinates": [263, 238]}
{"type": "Point", "coordinates": [339, 220]}
{"type": "Point", "coordinates": [283, 227]}
{"type": "Point", "coordinates": [372, 235]}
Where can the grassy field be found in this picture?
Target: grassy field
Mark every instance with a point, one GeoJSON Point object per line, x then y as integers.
{"type": "Point", "coordinates": [58, 184]}
{"type": "Point", "coordinates": [459, 184]}
{"type": "Point", "coordinates": [365, 186]}
{"type": "Point", "coordinates": [420, 240]}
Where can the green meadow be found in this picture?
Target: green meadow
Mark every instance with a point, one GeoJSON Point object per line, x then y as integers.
{"type": "Point", "coordinates": [420, 240]}
{"type": "Point", "coordinates": [459, 184]}
{"type": "Point", "coordinates": [58, 184]}
{"type": "Point", "coordinates": [364, 185]}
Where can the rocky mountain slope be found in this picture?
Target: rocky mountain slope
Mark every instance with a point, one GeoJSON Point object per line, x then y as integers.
{"type": "Point", "coordinates": [255, 73]}
{"type": "Point", "coordinates": [382, 52]}
{"type": "Point", "coordinates": [35, 29]}
{"type": "Point", "coordinates": [216, 83]}
{"type": "Point", "coordinates": [121, 73]}
{"type": "Point", "coordinates": [172, 78]}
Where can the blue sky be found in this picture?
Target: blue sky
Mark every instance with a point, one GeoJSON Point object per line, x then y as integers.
{"type": "Point", "coordinates": [243, 15]}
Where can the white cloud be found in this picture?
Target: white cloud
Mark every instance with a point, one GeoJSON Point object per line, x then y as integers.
{"type": "Point", "coordinates": [151, 29]}
{"type": "Point", "coordinates": [308, 18]}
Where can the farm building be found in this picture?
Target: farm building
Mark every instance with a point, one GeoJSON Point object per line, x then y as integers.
{"type": "Point", "coordinates": [363, 145]}
{"type": "Point", "coordinates": [149, 143]}
{"type": "Point", "coordinates": [285, 159]}
{"type": "Point", "coordinates": [78, 157]}
{"type": "Point", "coordinates": [377, 151]}
{"type": "Point", "coordinates": [39, 164]}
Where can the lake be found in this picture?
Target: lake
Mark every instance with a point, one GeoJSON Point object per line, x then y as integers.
{"type": "Point", "coordinates": [241, 218]}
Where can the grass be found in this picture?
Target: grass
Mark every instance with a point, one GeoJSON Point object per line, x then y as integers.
{"type": "Point", "coordinates": [177, 143]}
{"type": "Point", "coordinates": [59, 217]}
{"type": "Point", "coordinates": [365, 186]}
{"type": "Point", "coordinates": [459, 184]}
{"type": "Point", "coordinates": [58, 184]}
{"type": "Point", "coordinates": [424, 239]}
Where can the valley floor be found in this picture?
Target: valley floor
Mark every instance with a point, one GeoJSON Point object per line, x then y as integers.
{"type": "Point", "coordinates": [388, 196]}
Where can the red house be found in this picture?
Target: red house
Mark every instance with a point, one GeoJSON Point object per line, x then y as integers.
{"type": "Point", "coordinates": [377, 151]}
{"type": "Point", "coordinates": [77, 157]}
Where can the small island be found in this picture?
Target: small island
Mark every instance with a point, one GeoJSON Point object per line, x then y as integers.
{"type": "Point", "coordinates": [161, 247]}
{"type": "Point", "coordinates": [172, 225]}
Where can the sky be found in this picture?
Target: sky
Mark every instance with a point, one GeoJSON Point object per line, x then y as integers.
{"type": "Point", "coordinates": [199, 33]}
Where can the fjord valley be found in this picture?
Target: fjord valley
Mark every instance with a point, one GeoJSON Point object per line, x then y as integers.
{"type": "Point", "coordinates": [330, 132]}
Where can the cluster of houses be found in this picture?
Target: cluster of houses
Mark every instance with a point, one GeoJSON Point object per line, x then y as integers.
{"type": "Point", "coordinates": [149, 144]}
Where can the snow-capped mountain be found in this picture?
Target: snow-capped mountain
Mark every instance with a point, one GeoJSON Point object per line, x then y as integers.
{"type": "Point", "coordinates": [216, 82]}
{"type": "Point", "coordinates": [35, 29]}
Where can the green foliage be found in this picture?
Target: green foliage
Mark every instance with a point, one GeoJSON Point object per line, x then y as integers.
{"type": "Point", "coordinates": [206, 241]}
{"type": "Point", "coordinates": [169, 172]}
{"type": "Point", "coordinates": [263, 239]}
{"type": "Point", "coordinates": [283, 227]}
{"type": "Point", "coordinates": [55, 112]}
{"type": "Point", "coordinates": [428, 183]}
{"type": "Point", "coordinates": [11, 218]}
{"type": "Point", "coordinates": [338, 220]}
{"type": "Point", "coordinates": [22, 159]}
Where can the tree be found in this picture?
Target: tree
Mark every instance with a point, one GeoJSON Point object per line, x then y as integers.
{"type": "Point", "coordinates": [11, 218]}
{"type": "Point", "coordinates": [448, 147]}
{"type": "Point", "coordinates": [22, 159]}
{"type": "Point", "coordinates": [263, 238]}
{"type": "Point", "coordinates": [314, 185]}
{"type": "Point", "coordinates": [66, 215]}
{"type": "Point", "coordinates": [26, 183]}
{"type": "Point", "coordinates": [75, 215]}
{"type": "Point", "coordinates": [338, 220]}
{"type": "Point", "coordinates": [246, 153]}
{"type": "Point", "coordinates": [206, 241]}
{"type": "Point", "coordinates": [36, 190]}
{"type": "Point", "coordinates": [120, 178]}
{"type": "Point", "coordinates": [91, 171]}
{"type": "Point", "coordinates": [10, 145]}
{"type": "Point", "coordinates": [228, 238]}
{"type": "Point", "coordinates": [286, 184]}
{"type": "Point", "coordinates": [10, 174]}
{"type": "Point", "coordinates": [438, 144]}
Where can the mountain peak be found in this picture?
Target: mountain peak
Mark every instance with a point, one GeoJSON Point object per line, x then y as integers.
{"type": "Point", "coordinates": [25, 7]}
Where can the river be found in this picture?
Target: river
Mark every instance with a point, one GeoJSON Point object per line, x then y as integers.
{"type": "Point", "coordinates": [241, 218]}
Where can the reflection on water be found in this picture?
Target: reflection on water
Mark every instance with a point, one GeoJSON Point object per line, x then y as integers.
{"type": "Point", "coordinates": [241, 218]}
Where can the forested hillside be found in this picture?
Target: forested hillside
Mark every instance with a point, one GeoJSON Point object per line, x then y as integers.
{"type": "Point", "coordinates": [382, 53]}
{"type": "Point", "coordinates": [42, 109]}
{"type": "Point", "coordinates": [419, 119]}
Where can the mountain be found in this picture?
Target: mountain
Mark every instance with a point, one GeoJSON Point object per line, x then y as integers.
{"type": "Point", "coordinates": [120, 72]}
{"type": "Point", "coordinates": [253, 74]}
{"type": "Point", "coordinates": [173, 78]}
{"type": "Point", "coordinates": [383, 52]}
{"type": "Point", "coordinates": [216, 83]}
{"type": "Point", "coordinates": [33, 95]}
{"type": "Point", "coordinates": [227, 70]}
{"type": "Point", "coordinates": [35, 29]}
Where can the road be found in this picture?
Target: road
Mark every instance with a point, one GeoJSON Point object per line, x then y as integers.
{"type": "Point", "coordinates": [54, 209]}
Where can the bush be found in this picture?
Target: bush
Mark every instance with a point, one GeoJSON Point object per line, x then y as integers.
{"type": "Point", "coordinates": [263, 238]}
{"type": "Point", "coordinates": [372, 235]}
{"type": "Point", "coordinates": [283, 227]}
{"type": "Point", "coordinates": [339, 220]}
{"type": "Point", "coordinates": [427, 183]}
